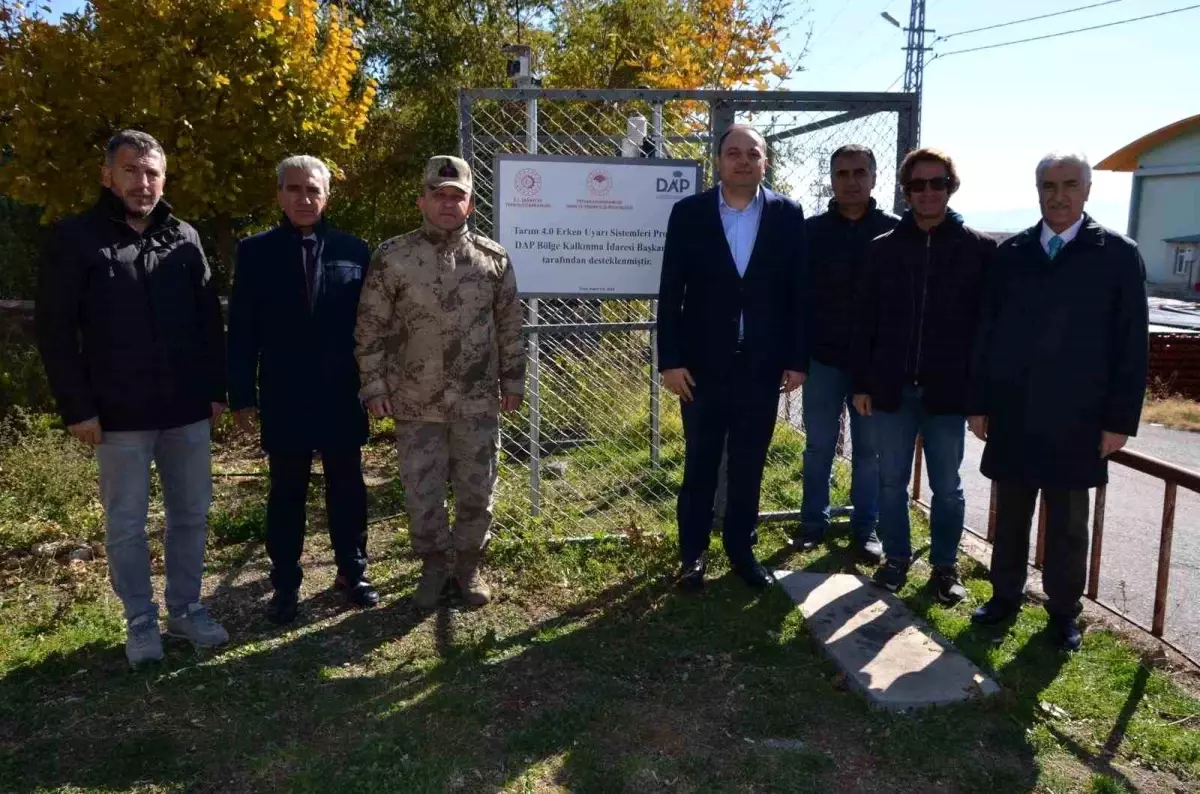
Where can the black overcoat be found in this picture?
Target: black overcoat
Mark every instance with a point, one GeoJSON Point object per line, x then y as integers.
{"type": "Point", "coordinates": [1060, 357]}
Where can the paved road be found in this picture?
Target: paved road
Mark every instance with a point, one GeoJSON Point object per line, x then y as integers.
{"type": "Point", "coordinates": [1133, 519]}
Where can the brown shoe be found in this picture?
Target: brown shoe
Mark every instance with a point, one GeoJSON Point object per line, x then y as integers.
{"type": "Point", "coordinates": [435, 572]}
{"type": "Point", "coordinates": [475, 590]}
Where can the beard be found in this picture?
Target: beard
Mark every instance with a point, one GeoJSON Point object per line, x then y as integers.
{"type": "Point", "coordinates": [141, 213]}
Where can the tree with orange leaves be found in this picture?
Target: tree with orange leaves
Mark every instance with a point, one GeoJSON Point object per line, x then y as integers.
{"type": "Point", "coordinates": [229, 87]}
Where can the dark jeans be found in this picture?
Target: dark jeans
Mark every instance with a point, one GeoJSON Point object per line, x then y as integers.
{"type": "Point", "coordinates": [738, 411]}
{"type": "Point", "coordinates": [1064, 572]}
{"type": "Point", "coordinates": [826, 391]}
{"type": "Point", "coordinates": [345, 505]}
{"type": "Point", "coordinates": [896, 439]}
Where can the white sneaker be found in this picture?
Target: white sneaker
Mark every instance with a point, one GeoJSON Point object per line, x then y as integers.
{"type": "Point", "coordinates": [196, 625]}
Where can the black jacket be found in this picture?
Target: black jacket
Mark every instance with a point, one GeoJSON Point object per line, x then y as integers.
{"type": "Point", "coordinates": [701, 296]}
{"type": "Point", "coordinates": [129, 325]}
{"type": "Point", "coordinates": [1061, 356]}
{"type": "Point", "coordinates": [837, 249]}
{"type": "Point", "coordinates": [296, 364]}
{"type": "Point", "coordinates": [917, 313]}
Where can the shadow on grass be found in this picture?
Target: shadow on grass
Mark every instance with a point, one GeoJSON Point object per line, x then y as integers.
{"type": "Point", "coordinates": [632, 688]}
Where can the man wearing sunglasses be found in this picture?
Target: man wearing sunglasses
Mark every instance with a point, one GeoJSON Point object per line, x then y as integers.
{"type": "Point", "coordinates": [1058, 382]}
{"type": "Point", "coordinates": [917, 309]}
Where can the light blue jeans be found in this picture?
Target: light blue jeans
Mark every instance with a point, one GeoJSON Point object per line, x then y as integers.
{"type": "Point", "coordinates": [183, 459]}
{"type": "Point", "coordinates": [944, 436]}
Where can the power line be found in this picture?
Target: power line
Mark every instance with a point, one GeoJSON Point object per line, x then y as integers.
{"type": "Point", "coordinates": [1065, 32]}
{"type": "Point", "coordinates": [824, 30]}
{"type": "Point", "coordinates": [1027, 19]}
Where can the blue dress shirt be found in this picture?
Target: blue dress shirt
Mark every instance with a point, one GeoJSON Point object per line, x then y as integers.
{"type": "Point", "coordinates": [741, 230]}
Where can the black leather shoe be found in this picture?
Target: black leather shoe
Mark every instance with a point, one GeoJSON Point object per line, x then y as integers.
{"type": "Point", "coordinates": [995, 611]}
{"type": "Point", "coordinates": [691, 576]}
{"type": "Point", "coordinates": [283, 607]}
{"type": "Point", "coordinates": [360, 594]}
{"type": "Point", "coordinates": [754, 575]}
{"type": "Point", "coordinates": [1066, 633]}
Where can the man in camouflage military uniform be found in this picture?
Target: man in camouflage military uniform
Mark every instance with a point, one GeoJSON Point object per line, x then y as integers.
{"type": "Point", "coordinates": [440, 350]}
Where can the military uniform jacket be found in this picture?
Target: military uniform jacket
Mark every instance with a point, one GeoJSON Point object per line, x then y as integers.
{"type": "Point", "coordinates": [439, 326]}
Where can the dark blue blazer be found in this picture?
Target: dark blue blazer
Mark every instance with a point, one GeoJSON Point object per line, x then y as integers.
{"type": "Point", "coordinates": [701, 296]}
{"type": "Point", "coordinates": [295, 363]}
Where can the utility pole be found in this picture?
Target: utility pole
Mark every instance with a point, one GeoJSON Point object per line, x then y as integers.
{"type": "Point", "coordinates": [914, 62]}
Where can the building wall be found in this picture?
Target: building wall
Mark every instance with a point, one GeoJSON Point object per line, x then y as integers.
{"type": "Point", "coordinates": [1170, 207]}
{"type": "Point", "coordinates": [1184, 150]}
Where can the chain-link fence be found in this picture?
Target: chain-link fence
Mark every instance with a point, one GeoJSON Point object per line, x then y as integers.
{"type": "Point", "coordinates": [597, 447]}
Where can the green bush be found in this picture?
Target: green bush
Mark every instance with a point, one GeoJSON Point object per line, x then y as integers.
{"type": "Point", "coordinates": [22, 379]}
{"type": "Point", "coordinates": [48, 483]}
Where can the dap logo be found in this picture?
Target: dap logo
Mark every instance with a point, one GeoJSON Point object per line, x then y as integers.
{"type": "Point", "coordinates": [678, 183]}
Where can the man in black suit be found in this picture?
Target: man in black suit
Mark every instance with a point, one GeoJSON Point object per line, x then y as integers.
{"type": "Point", "coordinates": [291, 361]}
{"type": "Point", "coordinates": [730, 338]}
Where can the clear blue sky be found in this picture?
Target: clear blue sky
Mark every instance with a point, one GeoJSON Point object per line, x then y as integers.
{"type": "Point", "coordinates": [998, 111]}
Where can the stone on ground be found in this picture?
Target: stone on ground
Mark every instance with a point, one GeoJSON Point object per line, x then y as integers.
{"type": "Point", "coordinates": [884, 650]}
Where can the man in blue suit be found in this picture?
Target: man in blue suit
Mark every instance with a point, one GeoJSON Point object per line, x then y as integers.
{"type": "Point", "coordinates": [731, 336]}
{"type": "Point", "coordinates": [291, 362]}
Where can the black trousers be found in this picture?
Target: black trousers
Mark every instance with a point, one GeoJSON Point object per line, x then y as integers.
{"type": "Point", "coordinates": [1064, 570]}
{"type": "Point", "coordinates": [345, 504]}
{"type": "Point", "coordinates": [737, 412]}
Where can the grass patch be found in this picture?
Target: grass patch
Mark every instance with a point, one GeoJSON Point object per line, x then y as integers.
{"type": "Point", "coordinates": [590, 673]}
{"type": "Point", "coordinates": [1178, 413]}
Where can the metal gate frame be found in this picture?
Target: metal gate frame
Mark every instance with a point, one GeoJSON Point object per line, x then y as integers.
{"type": "Point", "coordinates": [723, 109]}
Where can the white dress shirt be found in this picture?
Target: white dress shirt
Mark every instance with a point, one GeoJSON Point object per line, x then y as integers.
{"type": "Point", "coordinates": [1067, 234]}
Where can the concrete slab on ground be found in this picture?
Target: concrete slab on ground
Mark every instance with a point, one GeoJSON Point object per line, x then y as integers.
{"type": "Point", "coordinates": [886, 652]}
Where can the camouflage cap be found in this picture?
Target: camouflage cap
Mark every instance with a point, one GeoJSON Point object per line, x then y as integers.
{"type": "Point", "coordinates": [447, 170]}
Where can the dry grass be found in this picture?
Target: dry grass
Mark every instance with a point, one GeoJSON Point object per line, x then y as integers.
{"type": "Point", "coordinates": [1175, 412]}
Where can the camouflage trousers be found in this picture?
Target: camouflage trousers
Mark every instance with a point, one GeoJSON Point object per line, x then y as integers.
{"type": "Point", "coordinates": [463, 452]}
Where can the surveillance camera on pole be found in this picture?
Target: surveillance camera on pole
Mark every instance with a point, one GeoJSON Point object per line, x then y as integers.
{"type": "Point", "coordinates": [519, 65]}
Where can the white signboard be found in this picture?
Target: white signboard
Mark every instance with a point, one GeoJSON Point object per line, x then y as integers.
{"type": "Point", "coordinates": [587, 226]}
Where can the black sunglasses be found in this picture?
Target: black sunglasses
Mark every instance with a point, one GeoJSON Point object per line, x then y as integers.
{"type": "Point", "coordinates": [938, 183]}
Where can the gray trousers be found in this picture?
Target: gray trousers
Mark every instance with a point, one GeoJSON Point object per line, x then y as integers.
{"type": "Point", "coordinates": [183, 459]}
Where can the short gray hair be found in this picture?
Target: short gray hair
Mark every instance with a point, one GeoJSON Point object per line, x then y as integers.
{"type": "Point", "coordinates": [303, 162]}
{"type": "Point", "coordinates": [137, 140]}
{"type": "Point", "coordinates": [1058, 158]}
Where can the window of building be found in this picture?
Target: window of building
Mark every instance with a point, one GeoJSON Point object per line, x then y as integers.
{"type": "Point", "coordinates": [1183, 259]}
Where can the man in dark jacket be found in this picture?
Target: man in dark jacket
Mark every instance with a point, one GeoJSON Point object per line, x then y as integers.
{"type": "Point", "coordinates": [1059, 378]}
{"type": "Point", "coordinates": [129, 327]}
{"type": "Point", "coordinates": [291, 362]}
{"type": "Point", "coordinates": [918, 306]}
{"type": "Point", "coordinates": [837, 244]}
{"type": "Point", "coordinates": [731, 336]}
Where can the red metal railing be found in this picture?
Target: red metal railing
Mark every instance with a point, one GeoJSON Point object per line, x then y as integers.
{"type": "Point", "coordinates": [1173, 478]}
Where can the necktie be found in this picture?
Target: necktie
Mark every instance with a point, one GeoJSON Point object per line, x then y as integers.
{"type": "Point", "coordinates": [310, 269]}
{"type": "Point", "coordinates": [1055, 245]}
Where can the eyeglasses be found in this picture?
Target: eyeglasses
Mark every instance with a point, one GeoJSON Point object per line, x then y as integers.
{"type": "Point", "coordinates": [938, 183]}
